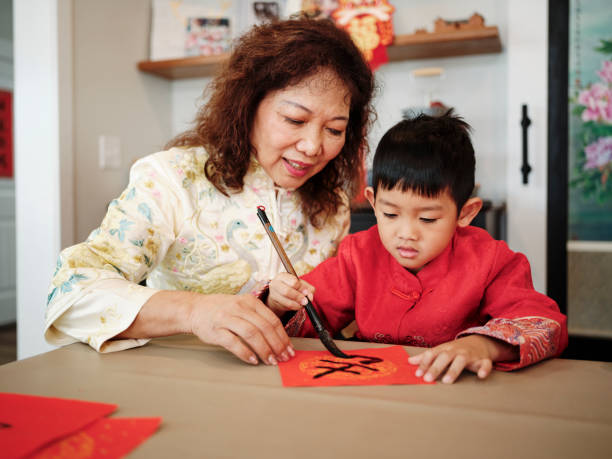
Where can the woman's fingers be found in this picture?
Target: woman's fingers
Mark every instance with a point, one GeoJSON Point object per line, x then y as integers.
{"type": "Point", "coordinates": [244, 326]}
{"type": "Point", "coordinates": [232, 343]}
{"type": "Point", "coordinates": [253, 337]}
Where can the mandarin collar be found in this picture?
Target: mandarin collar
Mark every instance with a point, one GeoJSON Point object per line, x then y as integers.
{"type": "Point", "coordinates": [428, 277]}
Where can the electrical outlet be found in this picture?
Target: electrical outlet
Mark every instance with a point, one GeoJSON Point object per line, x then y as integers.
{"type": "Point", "coordinates": [109, 152]}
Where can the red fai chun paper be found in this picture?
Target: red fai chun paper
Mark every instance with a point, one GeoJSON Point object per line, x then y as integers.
{"type": "Point", "coordinates": [27, 422]}
{"type": "Point", "coordinates": [369, 367]}
{"type": "Point", "coordinates": [104, 439]}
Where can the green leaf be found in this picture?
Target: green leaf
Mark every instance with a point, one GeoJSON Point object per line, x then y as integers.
{"type": "Point", "coordinates": [605, 47]}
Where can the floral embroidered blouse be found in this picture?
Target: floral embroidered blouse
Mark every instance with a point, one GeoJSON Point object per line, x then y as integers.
{"type": "Point", "coordinates": [172, 227]}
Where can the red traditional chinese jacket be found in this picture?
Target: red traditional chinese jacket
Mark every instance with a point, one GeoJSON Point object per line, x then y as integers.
{"type": "Point", "coordinates": [477, 285]}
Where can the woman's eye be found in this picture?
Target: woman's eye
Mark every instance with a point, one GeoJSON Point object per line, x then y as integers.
{"type": "Point", "coordinates": [389, 215]}
{"type": "Point", "coordinates": [335, 132]}
{"type": "Point", "coordinates": [293, 121]}
{"type": "Point", "coordinates": [428, 220]}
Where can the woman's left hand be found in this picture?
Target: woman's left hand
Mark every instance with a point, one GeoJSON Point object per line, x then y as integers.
{"type": "Point", "coordinates": [475, 353]}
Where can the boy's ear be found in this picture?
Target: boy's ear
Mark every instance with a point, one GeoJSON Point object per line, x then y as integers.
{"type": "Point", "coordinates": [369, 195]}
{"type": "Point", "coordinates": [469, 210]}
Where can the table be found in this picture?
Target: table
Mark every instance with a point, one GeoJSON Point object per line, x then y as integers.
{"type": "Point", "coordinates": [215, 406]}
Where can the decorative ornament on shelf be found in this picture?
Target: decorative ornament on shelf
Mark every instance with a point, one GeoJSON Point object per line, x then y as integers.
{"type": "Point", "coordinates": [369, 24]}
{"type": "Point", "coordinates": [444, 26]}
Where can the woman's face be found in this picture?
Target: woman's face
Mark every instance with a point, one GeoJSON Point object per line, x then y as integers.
{"type": "Point", "coordinates": [299, 129]}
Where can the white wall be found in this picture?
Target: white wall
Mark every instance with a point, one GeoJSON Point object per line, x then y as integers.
{"type": "Point", "coordinates": [42, 32]}
{"type": "Point", "coordinates": [75, 79]}
{"type": "Point", "coordinates": [474, 85]}
{"type": "Point", "coordinates": [111, 97]}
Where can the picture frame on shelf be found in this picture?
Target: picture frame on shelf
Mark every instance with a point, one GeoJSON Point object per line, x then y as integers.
{"type": "Point", "coordinates": [192, 27]}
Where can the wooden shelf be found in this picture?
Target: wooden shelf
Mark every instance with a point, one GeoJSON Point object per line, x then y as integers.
{"type": "Point", "coordinates": [404, 47]}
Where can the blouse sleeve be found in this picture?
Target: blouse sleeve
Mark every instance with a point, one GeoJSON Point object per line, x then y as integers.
{"type": "Point", "coordinates": [94, 294]}
{"type": "Point", "coordinates": [519, 315]}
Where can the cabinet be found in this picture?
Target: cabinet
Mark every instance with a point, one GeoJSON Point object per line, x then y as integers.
{"type": "Point", "coordinates": [414, 46]}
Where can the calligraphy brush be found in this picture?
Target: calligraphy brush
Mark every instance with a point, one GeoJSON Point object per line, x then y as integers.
{"type": "Point", "coordinates": [324, 335]}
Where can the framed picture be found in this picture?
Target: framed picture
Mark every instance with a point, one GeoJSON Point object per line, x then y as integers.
{"type": "Point", "coordinates": [6, 134]}
{"type": "Point", "coordinates": [193, 27]}
{"type": "Point", "coordinates": [207, 36]}
{"type": "Point", "coordinates": [259, 12]}
{"type": "Point", "coordinates": [579, 215]}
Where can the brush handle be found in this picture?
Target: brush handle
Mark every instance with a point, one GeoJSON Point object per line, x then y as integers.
{"type": "Point", "coordinates": [310, 310]}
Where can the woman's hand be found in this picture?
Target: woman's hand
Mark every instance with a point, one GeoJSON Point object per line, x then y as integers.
{"type": "Point", "coordinates": [475, 353]}
{"type": "Point", "coordinates": [240, 323]}
{"type": "Point", "coordinates": [243, 325]}
{"type": "Point", "coordinates": [288, 293]}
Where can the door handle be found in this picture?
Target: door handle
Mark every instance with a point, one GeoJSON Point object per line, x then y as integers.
{"type": "Point", "coordinates": [525, 123]}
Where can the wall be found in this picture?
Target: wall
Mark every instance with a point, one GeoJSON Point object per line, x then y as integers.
{"type": "Point", "coordinates": [43, 154]}
{"type": "Point", "coordinates": [474, 85]}
{"type": "Point", "coordinates": [111, 97]}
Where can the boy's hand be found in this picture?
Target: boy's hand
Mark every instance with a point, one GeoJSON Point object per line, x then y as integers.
{"type": "Point", "coordinates": [288, 293]}
{"type": "Point", "coordinates": [475, 353]}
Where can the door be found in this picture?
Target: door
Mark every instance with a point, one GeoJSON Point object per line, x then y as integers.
{"type": "Point", "coordinates": [527, 48]}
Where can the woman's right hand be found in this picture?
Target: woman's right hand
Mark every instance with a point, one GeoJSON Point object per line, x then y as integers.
{"type": "Point", "coordinates": [243, 325]}
{"type": "Point", "coordinates": [240, 323]}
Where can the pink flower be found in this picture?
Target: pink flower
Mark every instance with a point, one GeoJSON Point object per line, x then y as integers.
{"type": "Point", "coordinates": [606, 72]}
{"type": "Point", "coordinates": [598, 102]}
{"type": "Point", "coordinates": [598, 153]}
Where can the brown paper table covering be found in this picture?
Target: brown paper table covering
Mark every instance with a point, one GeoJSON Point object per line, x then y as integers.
{"type": "Point", "coordinates": [215, 406]}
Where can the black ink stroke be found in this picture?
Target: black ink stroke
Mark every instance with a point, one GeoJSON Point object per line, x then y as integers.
{"type": "Point", "coordinates": [345, 367]}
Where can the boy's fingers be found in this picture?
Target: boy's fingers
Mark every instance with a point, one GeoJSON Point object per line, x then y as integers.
{"type": "Point", "coordinates": [455, 369]}
{"type": "Point", "coordinates": [425, 360]}
{"type": "Point", "coordinates": [484, 368]}
{"type": "Point", "coordinates": [308, 287]}
{"type": "Point", "coordinates": [288, 279]}
{"type": "Point", "coordinates": [437, 367]}
{"type": "Point", "coordinates": [283, 290]}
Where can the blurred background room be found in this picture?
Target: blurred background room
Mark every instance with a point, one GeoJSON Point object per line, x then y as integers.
{"type": "Point", "coordinates": [87, 87]}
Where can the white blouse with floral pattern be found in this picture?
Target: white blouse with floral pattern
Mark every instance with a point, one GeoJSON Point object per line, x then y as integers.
{"type": "Point", "coordinates": [172, 227]}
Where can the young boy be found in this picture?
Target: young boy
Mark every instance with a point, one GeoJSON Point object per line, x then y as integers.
{"type": "Point", "coordinates": [422, 276]}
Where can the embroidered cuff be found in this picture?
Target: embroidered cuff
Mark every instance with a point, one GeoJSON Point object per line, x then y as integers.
{"type": "Point", "coordinates": [537, 338]}
{"type": "Point", "coordinates": [296, 324]}
{"type": "Point", "coordinates": [103, 311]}
{"type": "Point", "coordinates": [261, 290]}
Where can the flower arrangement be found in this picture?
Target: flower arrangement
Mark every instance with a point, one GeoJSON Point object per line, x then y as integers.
{"type": "Point", "coordinates": [593, 104]}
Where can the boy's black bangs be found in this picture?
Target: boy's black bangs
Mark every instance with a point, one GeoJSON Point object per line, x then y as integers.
{"type": "Point", "coordinates": [421, 175]}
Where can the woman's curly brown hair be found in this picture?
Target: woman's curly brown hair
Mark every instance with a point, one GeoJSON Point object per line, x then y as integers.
{"type": "Point", "coordinates": [272, 57]}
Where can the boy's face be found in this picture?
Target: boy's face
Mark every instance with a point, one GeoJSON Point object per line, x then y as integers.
{"type": "Point", "coordinates": [416, 229]}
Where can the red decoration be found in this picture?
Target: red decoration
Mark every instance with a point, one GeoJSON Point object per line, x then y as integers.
{"type": "Point", "coordinates": [371, 367]}
{"type": "Point", "coordinates": [6, 134]}
{"type": "Point", "coordinates": [369, 24]}
{"type": "Point", "coordinates": [45, 427]}
{"type": "Point", "coordinates": [106, 438]}
{"type": "Point", "coordinates": [27, 422]}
